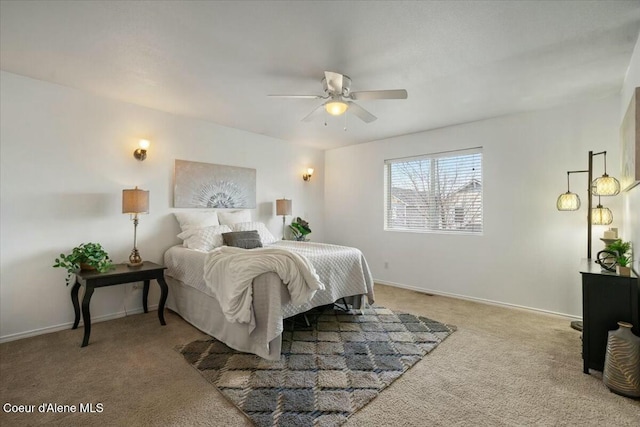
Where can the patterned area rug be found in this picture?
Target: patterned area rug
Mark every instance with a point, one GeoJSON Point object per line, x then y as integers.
{"type": "Point", "coordinates": [328, 370]}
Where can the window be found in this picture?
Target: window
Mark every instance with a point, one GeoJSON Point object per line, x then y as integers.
{"type": "Point", "coordinates": [439, 192]}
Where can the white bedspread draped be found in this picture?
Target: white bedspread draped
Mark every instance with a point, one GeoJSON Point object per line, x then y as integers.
{"type": "Point", "coordinates": [229, 272]}
{"type": "Point", "coordinates": [343, 271]}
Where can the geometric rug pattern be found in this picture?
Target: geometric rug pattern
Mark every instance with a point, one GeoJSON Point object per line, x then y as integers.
{"type": "Point", "coordinates": [328, 369]}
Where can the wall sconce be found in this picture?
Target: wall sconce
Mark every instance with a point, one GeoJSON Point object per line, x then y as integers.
{"type": "Point", "coordinates": [141, 153]}
{"type": "Point", "coordinates": [307, 176]}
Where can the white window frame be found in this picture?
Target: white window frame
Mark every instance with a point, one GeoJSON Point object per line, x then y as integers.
{"type": "Point", "coordinates": [441, 225]}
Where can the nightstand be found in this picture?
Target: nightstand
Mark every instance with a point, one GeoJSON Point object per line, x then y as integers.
{"type": "Point", "coordinates": [118, 275]}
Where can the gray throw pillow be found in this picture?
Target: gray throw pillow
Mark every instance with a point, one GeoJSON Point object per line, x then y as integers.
{"type": "Point", "coordinates": [243, 239]}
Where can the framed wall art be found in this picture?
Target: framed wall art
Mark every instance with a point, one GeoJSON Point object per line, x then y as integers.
{"type": "Point", "coordinates": [207, 185]}
{"type": "Point", "coordinates": [630, 137]}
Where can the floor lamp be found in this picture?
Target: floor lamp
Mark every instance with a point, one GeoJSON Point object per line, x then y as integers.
{"type": "Point", "coordinates": [283, 207]}
{"type": "Point", "coordinates": [602, 186]}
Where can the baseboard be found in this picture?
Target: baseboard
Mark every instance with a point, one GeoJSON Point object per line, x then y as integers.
{"type": "Point", "coordinates": [480, 300]}
{"type": "Point", "coordinates": [64, 326]}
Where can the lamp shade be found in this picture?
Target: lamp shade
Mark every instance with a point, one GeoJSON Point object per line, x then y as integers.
{"type": "Point", "coordinates": [605, 186]}
{"type": "Point", "coordinates": [601, 216]}
{"type": "Point", "coordinates": [336, 108]}
{"type": "Point", "coordinates": [135, 201]}
{"type": "Point", "coordinates": [568, 202]}
{"type": "Point", "coordinates": [283, 207]}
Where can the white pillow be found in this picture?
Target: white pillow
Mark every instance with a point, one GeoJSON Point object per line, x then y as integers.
{"type": "Point", "coordinates": [204, 239]}
{"type": "Point", "coordinates": [265, 235]}
{"type": "Point", "coordinates": [228, 218]}
{"type": "Point", "coordinates": [189, 220]}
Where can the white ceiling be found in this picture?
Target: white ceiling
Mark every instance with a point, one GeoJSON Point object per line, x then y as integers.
{"type": "Point", "coordinates": [459, 61]}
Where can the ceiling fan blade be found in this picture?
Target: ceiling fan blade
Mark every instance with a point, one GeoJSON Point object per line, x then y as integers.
{"type": "Point", "coordinates": [379, 94]}
{"type": "Point", "coordinates": [334, 82]}
{"type": "Point", "coordinates": [298, 96]}
{"type": "Point", "coordinates": [312, 114]}
{"type": "Point", "coordinates": [363, 114]}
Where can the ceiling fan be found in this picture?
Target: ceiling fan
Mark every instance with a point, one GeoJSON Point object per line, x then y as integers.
{"type": "Point", "coordinates": [339, 98]}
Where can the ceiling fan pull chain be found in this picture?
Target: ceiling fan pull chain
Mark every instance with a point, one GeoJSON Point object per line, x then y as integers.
{"type": "Point", "coordinates": [345, 122]}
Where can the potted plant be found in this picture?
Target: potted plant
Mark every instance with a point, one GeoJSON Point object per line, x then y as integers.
{"type": "Point", "coordinates": [299, 228]}
{"type": "Point", "coordinates": [86, 256]}
{"type": "Point", "coordinates": [623, 256]}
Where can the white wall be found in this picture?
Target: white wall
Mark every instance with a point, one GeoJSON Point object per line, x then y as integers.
{"type": "Point", "coordinates": [631, 208]}
{"type": "Point", "coordinates": [65, 158]}
{"type": "Point", "coordinates": [530, 253]}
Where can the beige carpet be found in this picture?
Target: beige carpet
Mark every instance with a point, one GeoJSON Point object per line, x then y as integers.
{"type": "Point", "coordinates": [502, 367]}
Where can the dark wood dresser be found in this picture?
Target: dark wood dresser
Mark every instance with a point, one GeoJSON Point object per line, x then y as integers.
{"type": "Point", "coordinates": [606, 299]}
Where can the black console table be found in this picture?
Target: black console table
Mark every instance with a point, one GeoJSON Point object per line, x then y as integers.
{"type": "Point", "coordinates": [119, 274]}
{"type": "Point", "coordinates": [606, 299]}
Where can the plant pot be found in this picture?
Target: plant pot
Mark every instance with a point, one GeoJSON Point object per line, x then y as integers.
{"type": "Point", "coordinates": [623, 271]}
{"type": "Point", "coordinates": [86, 267]}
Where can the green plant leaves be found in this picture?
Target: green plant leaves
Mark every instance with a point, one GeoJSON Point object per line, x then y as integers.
{"type": "Point", "coordinates": [92, 254]}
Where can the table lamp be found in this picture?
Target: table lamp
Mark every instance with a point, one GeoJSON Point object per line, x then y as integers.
{"type": "Point", "coordinates": [135, 202]}
{"type": "Point", "coordinates": [283, 207]}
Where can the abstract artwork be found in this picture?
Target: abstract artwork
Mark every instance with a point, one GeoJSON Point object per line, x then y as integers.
{"type": "Point", "coordinates": [206, 185]}
{"type": "Point", "coordinates": [630, 135]}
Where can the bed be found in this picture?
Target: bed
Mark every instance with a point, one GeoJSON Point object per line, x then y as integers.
{"type": "Point", "coordinates": [343, 271]}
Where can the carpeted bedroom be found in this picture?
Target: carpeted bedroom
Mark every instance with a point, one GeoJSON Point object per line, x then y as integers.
{"type": "Point", "coordinates": [501, 366]}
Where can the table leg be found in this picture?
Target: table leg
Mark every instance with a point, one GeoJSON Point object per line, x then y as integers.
{"type": "Point", "coordinates": [163, 298]}
{"type": "Point", "coordinates": [86, 315]}
{"type": "Point", "coordinates": [76, 304]}
{"type": "Point", "coordinates": [145, 295]}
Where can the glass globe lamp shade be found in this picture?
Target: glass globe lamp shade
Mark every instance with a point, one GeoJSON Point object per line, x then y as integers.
{"type": "Point", "coordinates": [605, 186]}
{"type": "Point", "coordinates": [336, 108]}
{"type": "Point", "coordinates": [568, 202]}
{"type": "Point", "coordinates": [601, 216]}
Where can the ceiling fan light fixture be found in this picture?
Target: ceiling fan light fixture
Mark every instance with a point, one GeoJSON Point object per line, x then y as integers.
{"type": "Point", "coordinates": [336, 108]}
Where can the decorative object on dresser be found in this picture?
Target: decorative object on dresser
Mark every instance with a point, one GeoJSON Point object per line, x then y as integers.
{"type": "Point", "coordinates": [284, 208]}
{"type": "Point", "coordinates": [207, 185]}
{"type": "Point", "coordinates": [85, 256]}
{"type": "Point", "coordinates": [623, 256]}
{"type": "Point", "coordinates": [622, 361]}
{"type": "Point", "coordinates": [616, 256]}
{"type": "Point", "coordinates": [120, 274]}
{"type": "Point", "coordinates": [135, 202]}
{"type": "Point", "coordinates": [607, 299]}
{"type": "Point", "coordinates": [327, 372]}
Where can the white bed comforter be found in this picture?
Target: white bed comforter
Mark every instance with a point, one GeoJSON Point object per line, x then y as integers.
{"type": "Point", "coordinates": [229, 272]}
{"type": "Point", "coordinates": [343, 271]}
